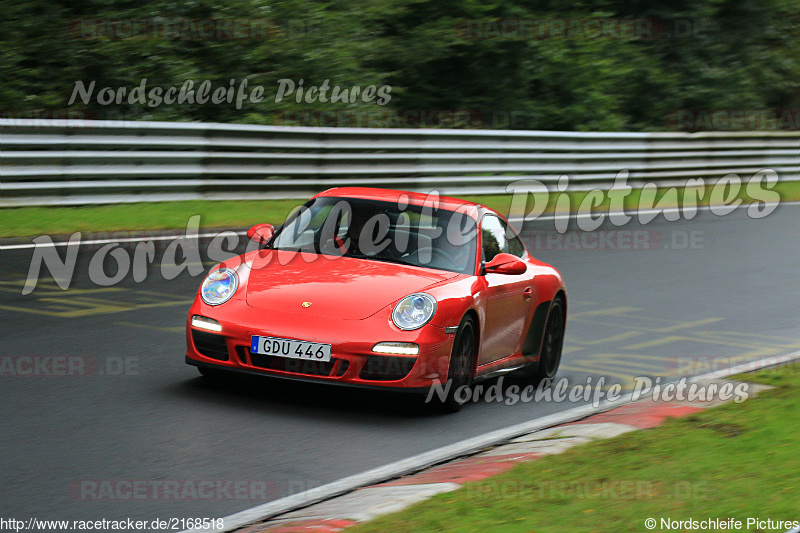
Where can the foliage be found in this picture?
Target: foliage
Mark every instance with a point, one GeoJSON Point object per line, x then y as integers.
{"type": "Point", "coordinates": [735, 54]}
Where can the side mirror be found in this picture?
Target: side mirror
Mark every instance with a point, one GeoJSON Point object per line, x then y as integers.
{"type": "Point", "coordinates": [261, 233]}
{"type": "Point", "coordinates": [506, 264]}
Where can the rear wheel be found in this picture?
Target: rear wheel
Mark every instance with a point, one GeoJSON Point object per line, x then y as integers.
{"type": "Point", "coordinates": [552, 343]}
{"type": "Point", "coordinates": [462, 364]}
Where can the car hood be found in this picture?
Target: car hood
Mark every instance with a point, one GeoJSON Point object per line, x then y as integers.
{"type": "Point", "coordinates": [341, 287]}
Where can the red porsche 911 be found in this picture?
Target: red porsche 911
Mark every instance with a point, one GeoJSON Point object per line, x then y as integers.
{"type": "Point", "coordinates": [384, 289]}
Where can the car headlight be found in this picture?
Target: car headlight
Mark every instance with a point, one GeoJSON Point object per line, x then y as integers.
{"type": "Point", "coordinates": [414, 311]}
{"type": "Point", "coordinates": [219, 286]}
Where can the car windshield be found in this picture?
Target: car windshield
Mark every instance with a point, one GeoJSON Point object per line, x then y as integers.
{"type": "Point", "coordinates": [423, 236]}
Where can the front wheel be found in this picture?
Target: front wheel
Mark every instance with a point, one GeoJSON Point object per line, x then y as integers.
{"type": "Point", "coordinates": [552, 343]}
{"type": "Point", "coordinates": [462, 364]}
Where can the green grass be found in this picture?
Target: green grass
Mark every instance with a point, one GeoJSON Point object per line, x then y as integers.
{"type": "Point", "coordinates": [30, 221]}
{"type": "Point", "coordinates": [735, 461]}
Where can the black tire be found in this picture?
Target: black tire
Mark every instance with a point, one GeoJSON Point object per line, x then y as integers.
{"type": "Point", "coordinates": [552, 342]}
{"type": "Point", "coordinates": [462, 363]}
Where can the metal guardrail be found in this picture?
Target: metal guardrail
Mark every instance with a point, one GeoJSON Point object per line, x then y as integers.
{"type": "Point", "coordinates": [63, 162]}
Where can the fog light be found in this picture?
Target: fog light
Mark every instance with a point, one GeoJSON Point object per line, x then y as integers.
{"type": "Point", "coordinates": [396, 348]}
{"type": "Point", "coordinates": [202, 322]}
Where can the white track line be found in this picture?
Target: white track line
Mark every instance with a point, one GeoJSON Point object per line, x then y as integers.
{"type": "Point", "coordinates": [143, 238]}
{"type": "Point", "coordinates": [449, 452]}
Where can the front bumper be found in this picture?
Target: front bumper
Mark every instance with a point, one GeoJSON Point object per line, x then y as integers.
{"type": "Point", "coordinates": [352, 360]}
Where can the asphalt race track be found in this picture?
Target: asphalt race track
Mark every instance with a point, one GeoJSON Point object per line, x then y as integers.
{"type": "Point", "coordinates": [686, 296]}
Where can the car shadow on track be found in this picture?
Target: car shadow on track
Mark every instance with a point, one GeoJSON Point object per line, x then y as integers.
{"type": "Point", "coordinates": [304, 399]}
{"type": "Point", "coordinates": [296, 397]}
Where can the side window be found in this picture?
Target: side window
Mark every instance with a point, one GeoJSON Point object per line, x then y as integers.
{"type": "Point", "coordinates": [493, 236]}
{"type": "Point", "coordinates": [498, 238]}
{"type": "Point", "coordinates": [515, 246]}
{"type": "Point", "coordinates": [344, 223]}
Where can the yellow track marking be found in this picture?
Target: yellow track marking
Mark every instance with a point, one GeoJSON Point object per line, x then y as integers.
{"type": "Point", "coordinates": [604, 311]}
{"type": "Point", "coordinates": [618, 337]}
{"type": "Point", "coordinates": [690, 324]}
{"type": "Point", "coordinates": [176, 329]}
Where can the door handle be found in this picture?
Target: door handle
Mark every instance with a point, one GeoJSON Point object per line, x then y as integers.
{"type": "Point", "coordinates": [527, 293]}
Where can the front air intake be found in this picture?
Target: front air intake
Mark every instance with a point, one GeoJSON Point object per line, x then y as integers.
{"type": "Point", "coordinates": [210, 345]}
{"type": "Point", "coordinates": [386, 368]}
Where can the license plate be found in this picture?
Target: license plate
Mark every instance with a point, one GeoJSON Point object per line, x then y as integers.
{"type": "Point", "coordinates": [293, 349]}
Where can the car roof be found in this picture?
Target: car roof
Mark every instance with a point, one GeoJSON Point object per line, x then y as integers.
{"type": "Point", "coordinates": [392, 195]}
